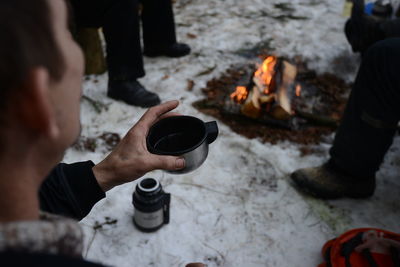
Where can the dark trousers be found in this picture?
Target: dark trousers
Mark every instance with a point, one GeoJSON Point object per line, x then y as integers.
{"type": "Point", "coordinates": [120, 22]}
{"type": "Point", "coordinates": [372, 113]}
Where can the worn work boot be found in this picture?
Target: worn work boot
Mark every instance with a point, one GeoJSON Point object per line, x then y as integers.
{"type": "Point", "coordinates": [132, 93]}
{"type": "Point", "coordinates": [326, 183]}
{"type": "Point", "coordinates": [174, 50]}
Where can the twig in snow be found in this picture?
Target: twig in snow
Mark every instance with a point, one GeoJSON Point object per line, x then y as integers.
{"type": "Point", "coordinates": [97, 105]}
{"type": "Point", "coordinates": [218, 219]}
{"type": "Point", "coordinates": [90, 243]}
{"type": "Point", "coordinates": [186, 203]}
{"type": "Point", "coordinates": [219, 253]}
{"type": "Point", "coordinates": [206, 71]}
{"type": "Point", "coordinates": [97, 226]}
{"type": "Point", "coordinates": [314, 224]}
{"type": "Point", "coordinates": [206, 188]}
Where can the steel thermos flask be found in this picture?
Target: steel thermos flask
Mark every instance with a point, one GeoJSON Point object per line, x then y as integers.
{"type": "Point", "coordinates": [151, 205]}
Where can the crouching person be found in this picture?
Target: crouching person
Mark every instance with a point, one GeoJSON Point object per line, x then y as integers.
{"type": "Point", "coordinates": [366, 131]}
{"type": "Point", "coordinates": [41, 70]}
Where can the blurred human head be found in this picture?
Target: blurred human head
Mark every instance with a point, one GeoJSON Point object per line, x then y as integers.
{"type": "Point", "coordinates": [41, 69]}
{"type": "Point", "coordinates": [27, 41]}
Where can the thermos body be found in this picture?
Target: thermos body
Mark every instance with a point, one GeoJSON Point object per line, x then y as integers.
{"type": "Point", "coordinates": [149, 220]}
{"type": "Point", "coordinates": [151, 205]}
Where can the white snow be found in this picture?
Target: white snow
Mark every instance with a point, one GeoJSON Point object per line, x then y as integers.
{"type": "Point", "coordinates": [239, 208]}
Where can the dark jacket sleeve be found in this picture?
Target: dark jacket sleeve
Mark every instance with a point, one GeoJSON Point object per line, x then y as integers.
{"type": "Point", "coordinates": [25, 259]}
{"type": "Point", "coordinates": [70, 190]}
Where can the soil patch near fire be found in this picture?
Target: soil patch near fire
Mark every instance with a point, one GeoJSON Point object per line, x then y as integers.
{"type": "Point", "coordinates": [320, 121]}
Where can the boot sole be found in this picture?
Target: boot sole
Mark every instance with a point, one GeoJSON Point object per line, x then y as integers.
{"type": "Point", "coordinates": [134, 104]}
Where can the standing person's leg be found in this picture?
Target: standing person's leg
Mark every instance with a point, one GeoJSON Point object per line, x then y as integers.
{"type": "Point", "coordinates": [120, 22]}
{"type": "Point", "coordinates": [158, 23]}
{"type": "Point", "coordinates": [122, 33]}
{"type": "Point", "coordinates": [366, 131]}
{"type": "Point", "coordinates": [159, 37]}
{"type": "Point", "coordinates": [88, 13]}
{"type": "Point", "coordinates": [124, 54]}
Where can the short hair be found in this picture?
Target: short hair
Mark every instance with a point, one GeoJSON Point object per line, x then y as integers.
{"type": "Point", "coordinates": [27, 40]}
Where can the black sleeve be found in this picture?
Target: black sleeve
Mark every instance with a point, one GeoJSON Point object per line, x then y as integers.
{"type": "Point", "coordinates": [24, 259]}
{"type": "Point", "coordinates": [70, 190]}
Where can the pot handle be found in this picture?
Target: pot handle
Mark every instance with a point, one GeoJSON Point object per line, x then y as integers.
{"type": "Point", "coordinates": [212, 131]}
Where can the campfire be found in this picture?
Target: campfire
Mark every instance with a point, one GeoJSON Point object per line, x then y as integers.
{"type": "Point", "coordinates": [278, 99]}
{"type": "Point", "coordinates": [270, 91]}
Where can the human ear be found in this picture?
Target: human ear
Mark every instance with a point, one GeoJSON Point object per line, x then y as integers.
{"type": "Point", "coordinates": [35, 106]}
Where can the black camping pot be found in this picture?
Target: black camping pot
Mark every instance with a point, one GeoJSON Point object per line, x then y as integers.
{"type": "Point", "coordinates": [151, 205]}
{"type": "Point", "coordinates": [182, 136]}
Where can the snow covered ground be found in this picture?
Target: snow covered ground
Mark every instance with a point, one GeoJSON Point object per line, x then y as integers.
{"type": "Point", "coordinates": [239, 208]}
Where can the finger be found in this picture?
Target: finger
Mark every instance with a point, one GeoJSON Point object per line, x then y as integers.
{"type": "Point", "coordinates": [154, 113]}
{"type": "Point", "coordinates": [361, 247]}
{"type": "Point", "coordinates": [372, 234]}
{"type": "Point", "coordinates": [394, 243]}
{"type": "Point", "coordinates": [170, 163]}
{"type": "Point", "coordinates": [167, 115]}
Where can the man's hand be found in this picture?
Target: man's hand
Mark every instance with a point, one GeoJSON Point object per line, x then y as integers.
{"type": "Point", "coordinates": [130, 159]}
{"type": "Point", "coordinates": [375, 242]}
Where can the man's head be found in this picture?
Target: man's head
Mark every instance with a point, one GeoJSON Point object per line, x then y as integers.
{"type": "Point", "coordinates": [41, 70]}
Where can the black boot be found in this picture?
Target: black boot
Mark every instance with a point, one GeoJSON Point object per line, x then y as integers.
{"type": "Point", "coordinates": [174, 50]}
{"type": "Point", "coordinates": [328, 183]}
{"type": "Point", "coordinates": [132, 93]}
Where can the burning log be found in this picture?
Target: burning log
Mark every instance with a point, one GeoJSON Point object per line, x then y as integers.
{"type": "Point", "coordinates": [272, 87]}
{"type": "Point", "coordinates": [318, 119]}
{"type": "Point", "coordinates": [251, 107]}
{"type": "Point", "coordinates": [289, 73]}
{"type": "Point", "coordinates": [265, 99]}
{"type": "Point", "coordinates": [283, 109]}
{"type": "Point", "coordinates": [279, 113]}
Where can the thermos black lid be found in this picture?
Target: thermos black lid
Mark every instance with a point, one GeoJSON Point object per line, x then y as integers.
{"type": "Point", "coordinates": [148, 196]}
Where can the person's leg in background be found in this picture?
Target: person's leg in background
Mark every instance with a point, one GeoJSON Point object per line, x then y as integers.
{"type": "Point", "coordinates": [159, 37]}
{"type": "Point", "coordinates": [120, 22]}
{"type": "Point", "coordinates": [364, 30]}
{"type": "Point", "coordinates": [366, 131]}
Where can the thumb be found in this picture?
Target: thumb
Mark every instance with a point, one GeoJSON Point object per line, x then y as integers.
{"type": "Point", "coordinates": [361, 247]}
{"type": "Point", "coordinates": [169, 163]}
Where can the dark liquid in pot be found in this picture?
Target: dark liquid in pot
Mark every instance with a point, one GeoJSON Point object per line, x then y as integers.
{"type": "Point", "coordinates": [176, 142]}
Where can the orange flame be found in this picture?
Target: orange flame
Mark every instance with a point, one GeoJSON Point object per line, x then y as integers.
{"type": "Point", "coordinates": [298, 90]}
{"type": "Point", "coordinates": [265, 73]}
{"type": "Point", "coordinates": [240, 94]}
